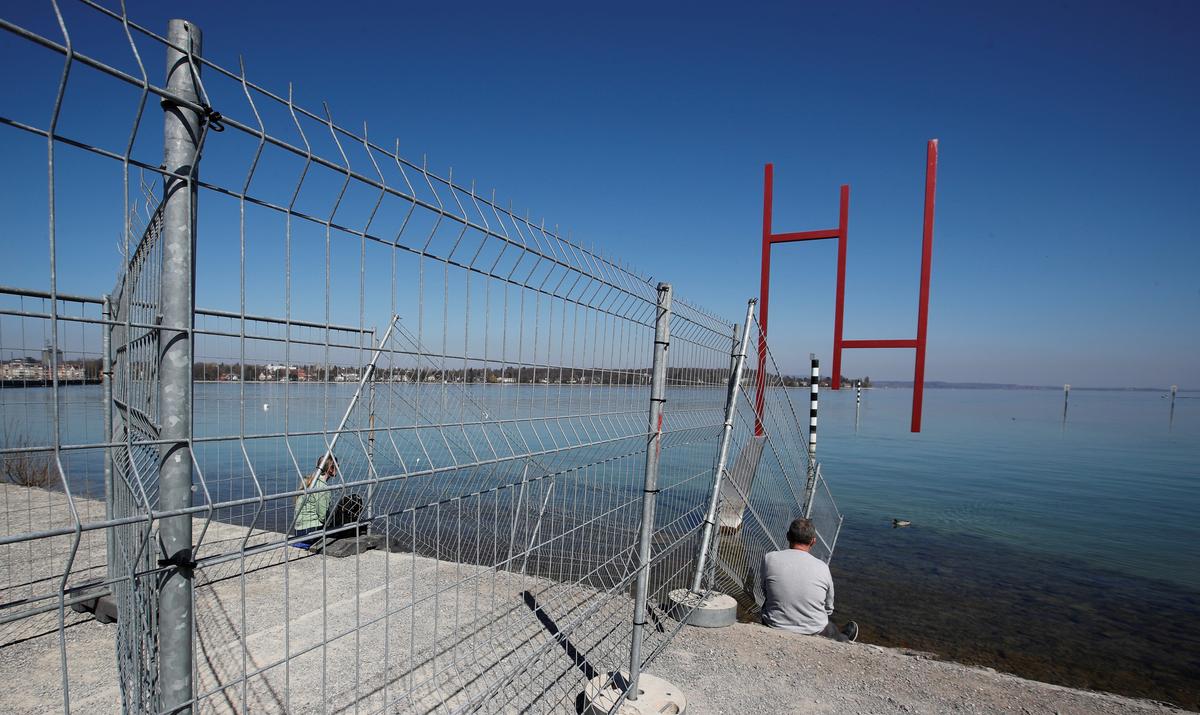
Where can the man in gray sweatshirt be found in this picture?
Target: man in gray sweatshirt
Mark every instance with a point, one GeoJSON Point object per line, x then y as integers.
{"type": "Point", "coordinates": [798, 589]}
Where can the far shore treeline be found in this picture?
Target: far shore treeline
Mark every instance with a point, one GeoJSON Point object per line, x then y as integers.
{"type": "Point", "coordinates": [30, 372]}
{"type": "Point", "coordinates": [509, 374]}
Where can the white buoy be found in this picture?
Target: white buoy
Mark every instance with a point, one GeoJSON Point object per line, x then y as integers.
{"type": "Point", "coordinates": [266, 407]}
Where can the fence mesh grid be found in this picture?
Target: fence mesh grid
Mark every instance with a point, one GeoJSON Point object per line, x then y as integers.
{"type": "Point", "coordinates": [132, 469]}
{"type": "Point", "coordinates": [769, 476]}
{"type": "Point", "coordinates": [480, 379]}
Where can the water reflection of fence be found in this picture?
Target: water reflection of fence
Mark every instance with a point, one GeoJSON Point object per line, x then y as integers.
{"type": "Point", "coordinates": [501, 442]}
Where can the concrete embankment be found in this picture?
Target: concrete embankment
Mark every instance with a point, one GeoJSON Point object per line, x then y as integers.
{"type": "Point", "coordinates": [753, 669]}
{"type": "Point", "coordinates": [392, 631]}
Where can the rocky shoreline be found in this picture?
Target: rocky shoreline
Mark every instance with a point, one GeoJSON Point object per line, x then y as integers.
{"type": "Point", "coordinates": [1046, 618]}
{"type": "Point", "coordinates": [749, 668]}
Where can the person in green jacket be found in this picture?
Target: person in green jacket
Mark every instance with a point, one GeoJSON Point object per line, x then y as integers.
{"type": "Point", "coordinates": [311, 509]}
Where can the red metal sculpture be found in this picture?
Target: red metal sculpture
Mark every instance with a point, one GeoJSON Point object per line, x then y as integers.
{"type": "Point", "coordinates": [840, 233]}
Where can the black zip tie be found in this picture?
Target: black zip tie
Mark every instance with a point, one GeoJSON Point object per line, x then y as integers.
{"type": "Point", "coordinates": [207, 114]}
{"type": "Point", "coordinates": [178, 560]}
{"type": "Point", "coordinates": [213, 117]}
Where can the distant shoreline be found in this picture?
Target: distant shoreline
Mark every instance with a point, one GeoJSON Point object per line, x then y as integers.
{"type": "Point", "coordinates": [932, 385]}
{"type": "Point", "coordinates": [940, 385]}
{"type": "Point", "coordinates": [12, 384]}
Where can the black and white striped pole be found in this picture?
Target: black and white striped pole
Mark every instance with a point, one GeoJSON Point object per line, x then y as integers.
{"type": "Point", "coordinates": [857, 400]}
{"type": "Point", "coordinates": [813, 389]}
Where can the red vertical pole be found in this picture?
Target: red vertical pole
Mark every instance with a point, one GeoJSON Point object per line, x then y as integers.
{"type": "Point", "coordinates": [835, 381]}
{"type": "Point", "coordinates": [764, 291]}
{"type": "Point", "coordinates": [931, 157]}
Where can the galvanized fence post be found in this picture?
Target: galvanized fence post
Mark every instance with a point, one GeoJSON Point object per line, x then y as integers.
{"type": "Point", "coordinates": [181, 151]}
{"type": "Point", "coordinates": [106, 375]}
{"type": "Point", "coordinates": [733, 354]}
{"type": "Point", "coordinates": [369, 512]}
{"type": "Point", "coordinates": [367, 377]}
{"type": "Point", "coordinates": [735, 381]}
{"type": "Point", "coordinates": [658, 399]}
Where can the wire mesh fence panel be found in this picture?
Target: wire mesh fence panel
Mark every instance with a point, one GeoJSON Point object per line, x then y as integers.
{"type": "Point", "coordinates": [826, 516]}
{"type": "Point", "coordinates": [34, 573]}
{"type": "Point", "coordinates": [132, 484]}
{"type": "Point", "coordinates": [697, 384]}
{"type": "Point", "coordinates": [416, 425]}
{"type": "Point", "coordinates": [769, 480]}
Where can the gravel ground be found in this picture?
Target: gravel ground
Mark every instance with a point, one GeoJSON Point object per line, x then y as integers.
{"type": "Point", "coordinates": [753, 669]}
{"type": "Point", "coordinates": [454, 634]}
{"type": "Point", "coordinates": [305, 633]}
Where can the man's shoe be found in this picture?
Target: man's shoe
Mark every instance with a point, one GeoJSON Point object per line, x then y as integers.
{"type": "Point", "coordinates": [851, 631]}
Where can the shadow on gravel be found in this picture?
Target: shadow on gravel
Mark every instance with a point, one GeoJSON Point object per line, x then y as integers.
{"type": "Point", "coordinates": [565, 643]}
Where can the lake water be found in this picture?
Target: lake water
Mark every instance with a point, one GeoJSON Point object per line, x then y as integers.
{"type": "Point", "coordinates": [1117, 486]}
{"type": "Point", "coordinates": [1063, 551]}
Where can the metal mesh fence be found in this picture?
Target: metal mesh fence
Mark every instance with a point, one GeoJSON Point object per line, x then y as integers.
{"type": "Point", "coordinates": [769, 481]}
{"type": "Point", "coordinates": [33, 572]}
{"type": "Point", "coordinates": [823, 510]}
{"type": "Point", "coordinates": [419, 425]}
{"type": "Point", "coordinates": [132, 466]}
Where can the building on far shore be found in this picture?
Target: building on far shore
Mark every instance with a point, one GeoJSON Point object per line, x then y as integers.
{"type": "Point", "coordinates": [30, 370]}
{"type": "Point", "coordinates": [22, 369]}
{"type": "Point", "coordinates": [48, 354]}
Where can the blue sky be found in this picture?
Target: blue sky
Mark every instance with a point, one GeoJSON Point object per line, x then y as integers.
{"type": "Point", "coordinates": [1067, 242]}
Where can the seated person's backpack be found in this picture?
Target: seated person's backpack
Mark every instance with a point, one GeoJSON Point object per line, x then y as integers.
{"type": "Point", "coordinates": [342, 521]}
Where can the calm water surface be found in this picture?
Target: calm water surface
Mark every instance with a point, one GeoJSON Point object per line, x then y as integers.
{"type": "Point", "coordinates": [1117, 486]}
{"type": "Point", "coordinates": [1068, 553]}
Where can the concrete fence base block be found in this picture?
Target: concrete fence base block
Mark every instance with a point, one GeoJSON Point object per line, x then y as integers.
{"type": "Point", "coordinates": [655, 696]}
{"type": "Point", "coordinates": [705, 610]}
{"type": "Point", "coordinates": [104, 608]}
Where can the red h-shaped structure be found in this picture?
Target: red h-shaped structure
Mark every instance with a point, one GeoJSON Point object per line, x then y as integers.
{"type": "Point", "coordinates": [770, 238]}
